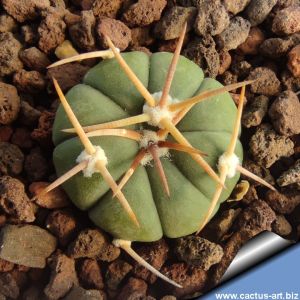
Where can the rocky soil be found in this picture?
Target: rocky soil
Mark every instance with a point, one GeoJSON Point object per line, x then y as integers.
{"type": "Point", "coordinates": [49, 249]}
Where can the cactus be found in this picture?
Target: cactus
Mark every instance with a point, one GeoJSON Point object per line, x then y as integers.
{"type": "Point", "coordinates": [168, 135]}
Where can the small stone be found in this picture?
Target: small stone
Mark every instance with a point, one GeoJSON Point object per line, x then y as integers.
{"type": "Point", "coordinates": [198, 251]}
{"type": "Point", "coordinates": [63, 225]}
{"type": "Point", "coordinates": [5, 133]}
{"type": "Point", "coordinates": [67, 75]}
{"type": "Point", "coordinates": [63, 276]}
{"type": "Point", "coordinates": [266, 146]}
{"type": "Point", "coordinates": [228, 78]}
{"type": "Point", "coordinates": [133, 285]}
{"type": "Point", "coordinates": [234, 6]}
{"type": "Point", "coordinates": [281, 226]}
{"type": "Point", "coordinates": [11, 159]}
{"type": "Point", "coordinates": [286, 21]}
{"type": "Point", "coordinates": [257, 11]}
{"type": "Point", "coordinates": [212, 18]}
{"type": "Point", "coordinates": [7, 24]}
{"type": "Point", "coordinates": [116, 272]}
{"type": "Point", "coordinates": [256, 218]}
{"type": "Point", "coordinates": [56, 198]}
{"type": "Point", "coordinates": [240, 67]}
{"type": "Point", "coordinates": [31, 82]}
{"type": "Point", "coordinates": [90, 274]}
{"type": "Point", "coordinates": [104, 8]}
{"type": "Point", "coordinates": [275, 47]}
{"type": "Point", "coordinates": [92, 243]}
{"type": "Point", "coordinates": [291, 176]}
{"type": "Point", "coordinates": [26, 245]}
{"type": "Point", "coordinates": [5, 266]}
{"type": "Point", "coordinates": [36, 165]}
{"type": "Point", "coordinates": [294, 61]}
{"type": "Point", "coordinates": [203, 52]}
{"type": "Point", "coordinates": [170, 25]}
{"type": "Point", "coordinates": [34, 59]}
{"type": "Point", "coordinates": [283, 203]}
{"type": "Point", "coordinates": [14, 201]}
{"type": "Point", "coordinates": [192, 279]}
{"type": "Point", "coordinates": [8, 286]}
{"type": "Point", "coordinates": [290, 82]}
{"type": "Point", "coordinates": [29, 34]}
{"type": "Point", "coordinates": [21, 138]}
{"type": "Point", "coordinates": [155, 254]}
{"type": "Point", "coordinates": [24, 10]}
{"type": "Point", "coordinates": [144, 12]}
{"type": "Point", "coordinates": [252, 43]}
{"type": "Point", "coordinates": [78, 292]}
{"type": "Point", "coordinates": [116, 30]}
{"type": "Point", "coordinates": [28, 115]}
{"type": "Point", "coordinates": [9, 103]}
{"type": "Point", "coordinates": [9, 50]}
{"type": "Point", "coordinates": [235, 34]}
{"type": "Point", "coordinates": [284, 113]}
{"type": "Point", "coordinates": [51, 32]}
{"type": "Point", "coordinates": [141, 36]}
{"type": "Point", "coordinates": [255, 111]}
{"type": "Point", "coordinates": [225, 61]}
{"type": "Point", "coordinates": [266, 82]}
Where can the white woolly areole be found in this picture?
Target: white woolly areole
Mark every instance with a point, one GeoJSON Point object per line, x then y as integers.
{"type": "Point", "coordinates": [151, 137]}
{"type": "Point", "coordinates": [157, 113]}
{"type": "Point", "coordinates": [92, 159]}
{"type": "Point", "coordinates": [230, 162]}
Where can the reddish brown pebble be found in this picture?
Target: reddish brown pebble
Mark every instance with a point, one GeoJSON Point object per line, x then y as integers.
{"type": "Point", "coordinates": [116, 30]}
{"type": "Point", "coordinates": [28, 115]}
{"type": "Point", "coordinates": [6, 266]}
{"type": "Point", "coordinates": [294, 61]}
{"type": "Point", "coordinates": [192, 279]}
{"type": "Point", "coordinates": [105, 8]}
{"type": "Point", "coordinates": [21, 138]}
{"type": "Point", "coordinates": [144, 12]}
{"type": "Point", "coordinates": [34, 59]}
{"type": "Point", "coordinates": [225, 61]}
{"type": "Point", "coordinates": [90, 274]}
{"type": "Point", "coordinates": [78, 293]}
{"type": "Point", "coordinates": [63, 225]}
{"type": "Point", "coordinates": [283, 203]}
{"type": "Point", "coordinates": [133, 285]}
{"type": "Point", "coordinates": [286, 21]}
{"type": "Point", "coordinates": [116, 272]}
{"type": "Point", "coordinates": [141, 36]}
{"type": "Point", "coordinates": [56, 198]}
{"type": "Point", "coordinates": [275, 47]}
{"type": "Point", "coordinates": [253, 41]}
{"type": "Point", "coordinates": [29, 81]}
{"type": "Point", "coordinates": [284, 113]}
{"type": "Point", "coordinates": [8, 286]}
{"type": "Point", "coordinates": [5, 133]}
{"type": "Point", "coordinates": [155, 254]}
{"type": "Point", "coordinates": [63, 276]}
{"type": "Point", "coordinates": [281, 226]}
{"type": "Point", "coordinates": [9, 103]}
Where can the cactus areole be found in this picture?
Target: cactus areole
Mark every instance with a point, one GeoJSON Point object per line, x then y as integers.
{"type": "Point", "coordinates": [107, 95]}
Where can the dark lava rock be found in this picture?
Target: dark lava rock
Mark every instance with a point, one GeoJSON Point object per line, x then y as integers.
{"type": "Point", "coordinates": [155, 254]}
{"type": "Point", "coordinates": [257, 11]}
{"type": "Point", "coordinates": [78, 292]}
{"type": "Point", "coordinates": [212, 18]}
{"type": "Point", "coordinates": [11, 159]}
{"type": "Point", "coordinates": [8, 286]}
{"type": "Point", "coordinates": [22, 138]}
{"type": "Point", "coordinates": [26, 245]}
{"type": "Point", "coordinates": [9, 58]}
{"type": "Point", "coordinates": [9, 103]}
{"type": "Point", "coordinates": [289, 81]}
{"type": "Point", "coordinates": [144, 12]}
{"type": "Point", "coordinates": [291, 176]}
{"type": "Point", "coordinates": [24, 10]}
{"type": "Point", "coordinates": [192, 279]}
{"type": "Point", "coordinates": [63, 225]}
{"type": "Point", "coordinates": [116, 30]}
{"type": "Point", "coordinates": [275, 47]}
{"type": "Point", "coordinates": [198, 251]}
{"type": "Point", "coordinates": [234, 6]}
{"type": "Point", "coordinates": [203, 52]}
{"type": "Point", "coordinates": [28, 115]}
{"type": "Point", "coordinates": [252, 43]}
{"type": "Point", "coordinates": [133, 285]}
{"type": "Point", "coordinates": [29, 81]}
{"type": "Point", "coordinates": [284, 113]}
{"type": "Point", "coordinates": [34, 59]}
{"type": "Point", "coordinates": [29, 34]}
{"type": "Point", "coordinates": [255, 111]}
{"type": "Point", "coordinates": [90, 274]}
{"type": "Point", "coordinates": [286, 21]}
{"type": "Point", "coordinates": [283, 203]}
{"type": "Point", "coordinates": [63, 276]}
{"type": "Point", "coordinates": [82, 33]}
{"type": "Point", "coordinates": [51, 32]}
{"type": "Point", "coordinates": [171, 24]}
{"type": "Point", "coordinates": [267, 147]}
{"type": "Point", "coordinates": [294, 61]}
{"type": "Point", "coordinates": [116, 272]}
{"type": "Point", "coordinates": [281, 226]}
{"type": "Point", "coordinates": [235, 34]}
{"type": "Point", "coordinates": [105, 8]}
{"type": "Point", "coordinates": [14, 201]}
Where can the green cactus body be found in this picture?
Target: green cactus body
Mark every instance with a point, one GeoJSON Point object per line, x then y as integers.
{"type": "Point", "coordinates": [107, 95]}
